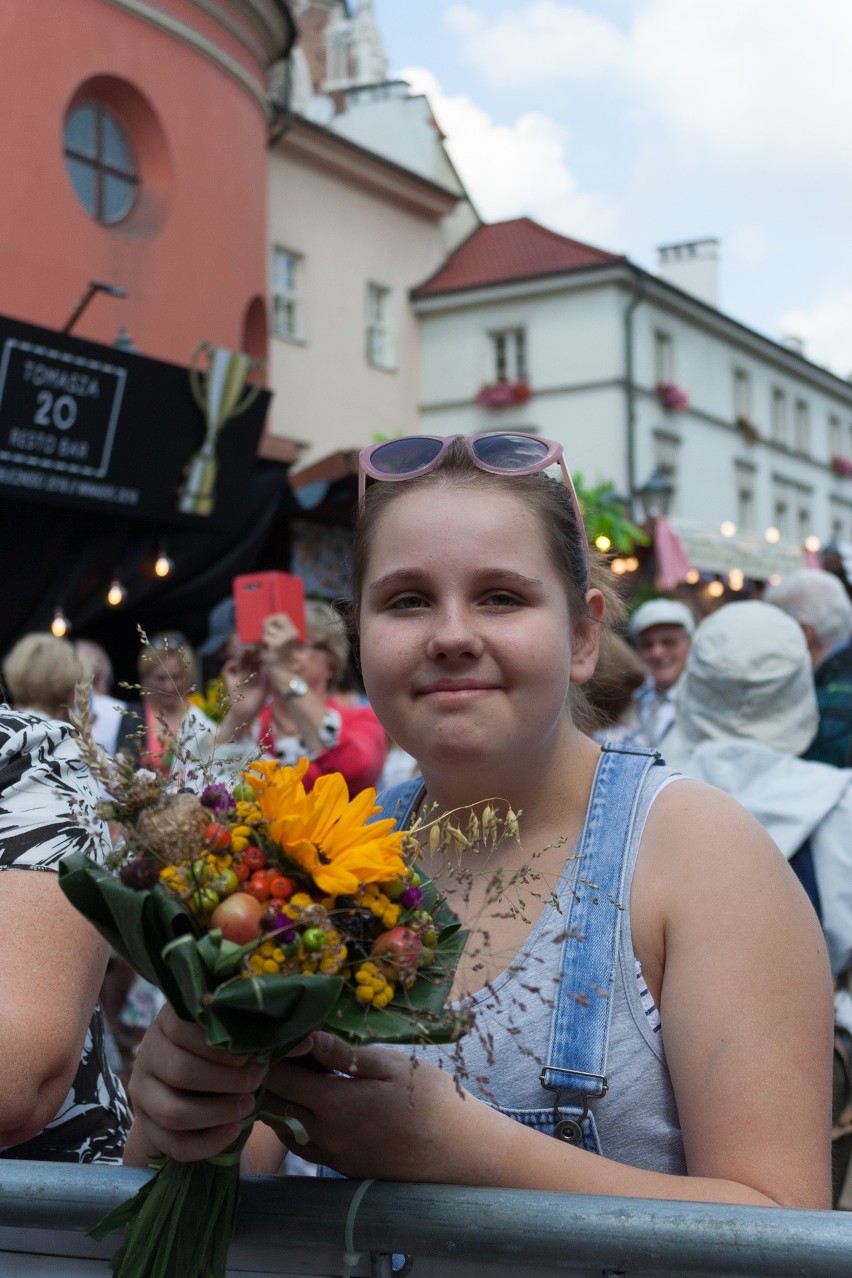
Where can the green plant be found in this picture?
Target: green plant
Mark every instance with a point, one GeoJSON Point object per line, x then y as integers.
{"type": "Point", "coordinates": [605, 517]}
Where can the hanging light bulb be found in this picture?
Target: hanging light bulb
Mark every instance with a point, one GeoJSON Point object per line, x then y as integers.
{"type": "Point", "coordinates": [116, 594]}
{"type": "Point", "coordinates": [813, 544]}
{"type": "Point", "coordinates": [603, 542]}
{"type": "Point", "coordinates": [715, 589]}
{"type": "Point", "coordinates": [728, 528]}
{"type": "Point", "coordinates": [736, 579]}
{"type": "Point", "coordinates": [619, 567]}
{"type": "Point", "coordinates": [693, 576]}
{"type": "Point", "coordinates": [631, 564]}
{"type": "Point", "coordinates": [59, 625]}
{"type": "Point", "coordinates": [772, 535]}
{"type": "Point", "coordinates": [163, 564]}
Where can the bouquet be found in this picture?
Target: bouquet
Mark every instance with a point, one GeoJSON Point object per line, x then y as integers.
{"type": "Point", "coordinates": [263, 912]}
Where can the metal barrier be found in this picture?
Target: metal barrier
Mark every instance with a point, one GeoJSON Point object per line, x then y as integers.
{"type": "Point", "coordinates": [291, 1227]}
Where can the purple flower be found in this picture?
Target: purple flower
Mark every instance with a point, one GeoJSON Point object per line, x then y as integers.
{"type": "Point", "coordinates": [411, 899]}
{"type": "Point", "coordinates": [216, 797]}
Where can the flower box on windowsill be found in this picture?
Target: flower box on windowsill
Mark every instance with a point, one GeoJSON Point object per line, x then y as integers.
{"type": "Point", "coordinates": [748, 430]}
{"type": "Point", "coordinates": [672, 397]}
{"type": "Point", "coordinates": [497, 395]}
{"type": "Point", "coordinates": [841, 465]}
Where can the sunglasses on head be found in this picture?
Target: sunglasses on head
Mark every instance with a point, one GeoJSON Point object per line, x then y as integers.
{"type": "Point", "coordinates": [499, 453]}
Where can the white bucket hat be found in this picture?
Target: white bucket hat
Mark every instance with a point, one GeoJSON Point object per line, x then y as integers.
{"type": "Point", "coordinates": [661, 612]}
{"type": "Point", "coordinates": [748, 677]}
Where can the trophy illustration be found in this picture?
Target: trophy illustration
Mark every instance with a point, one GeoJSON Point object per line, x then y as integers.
{"type": "Point", "coordinates": [222, 392]}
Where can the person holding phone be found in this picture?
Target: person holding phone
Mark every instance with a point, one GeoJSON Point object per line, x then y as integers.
{"type": "Point", "coordinates": [281, 704]}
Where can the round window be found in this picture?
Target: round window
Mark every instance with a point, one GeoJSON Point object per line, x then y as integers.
{"type": "Point", "coordinates": [100, 162]}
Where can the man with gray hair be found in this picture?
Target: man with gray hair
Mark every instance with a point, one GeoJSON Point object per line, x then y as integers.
{"type": "Point", "coordinates": [819, 602]}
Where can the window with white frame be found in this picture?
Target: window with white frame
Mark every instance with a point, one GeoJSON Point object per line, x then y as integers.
{"type": "Point", "coordinates": [802, 426]}
{"type": "Point", "coordinates": [379, 348]}
{"type": "Point", "coordinates": [779, 416]}
{"type": "Point", "coordinates": [288, 302]}
{"type": "Point", "coordinates": [663, 356]}
{"type": "Point", "coordinates": [781, 517]}
{"type": "Point", "coordinates": [835, 436]}
{"type": "Point", "coordinates": [509, 355]}
{"type": "Point", "coordinates": [742, 393]}
{"type": "Point", "coordinates": [745, 509]}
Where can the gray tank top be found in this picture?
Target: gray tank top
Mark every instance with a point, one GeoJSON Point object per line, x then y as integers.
{"type": "Point", "coordinates": [501, 1059]}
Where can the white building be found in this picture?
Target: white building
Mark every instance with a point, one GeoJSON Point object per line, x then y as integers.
{"type": "Point", "coordinates": [633, 373]}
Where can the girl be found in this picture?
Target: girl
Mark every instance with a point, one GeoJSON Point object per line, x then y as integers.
{"type": "Point", "coordinates": [661, 999]}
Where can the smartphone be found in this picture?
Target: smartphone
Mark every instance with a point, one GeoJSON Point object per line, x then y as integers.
{"type": "Point", "coordinates": [258, 595]}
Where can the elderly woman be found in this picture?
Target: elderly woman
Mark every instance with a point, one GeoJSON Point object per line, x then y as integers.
{"type": "Point", "coordinates": [282, 705]}
{"type": "Point", "coordinates": [40, 673]}
{"type": "Point", "coordinates": [59, 1100]}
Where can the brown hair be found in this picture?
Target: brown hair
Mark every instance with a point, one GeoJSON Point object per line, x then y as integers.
{"type": "Point", "coordinates": [618, 674]}
{"type": "Point", "coordinates": [565, 541]}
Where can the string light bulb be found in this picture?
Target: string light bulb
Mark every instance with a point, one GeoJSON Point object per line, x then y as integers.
{"type": "Point", "coordinates": [619, 567]}
{"type": "Point", "coordinates": [59, 625]}
{"type": "Point", "coordinates": [162, 564]}
{"type": "Point", "coordinates": [728, 528]}
{"type": "Point", "coordinates": [715, 589]}
{"type": "Point", "coordinates": [772, 535]}
{"type": "Point", "coordinates": [813, 544]}
{"type": "Point", "coordinates": [736, 579]}
{"type": "Point", "coordinates": [693, 577]}
{"type": "Point", "coordinates": [603, 542]}
{"type": "Point", "coordinates": [116, 594]}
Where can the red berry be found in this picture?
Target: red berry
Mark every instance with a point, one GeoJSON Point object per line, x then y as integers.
{"type": "Point", "coordinates": [241, 870]}
{"type": "Point", "coordinates": [258, 885]}
{"type": "Point", "coordinates": [255, 858]}
{"type": "Point", "coordinates": [282, 886]}
{"type": "Point", "coordinates": [217, 837]}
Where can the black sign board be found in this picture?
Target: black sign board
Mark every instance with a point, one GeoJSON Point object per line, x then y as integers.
{"type": "Point", "coordinates": [104, 429]}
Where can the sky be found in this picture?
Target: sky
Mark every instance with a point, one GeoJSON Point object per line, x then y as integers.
{"type": "Point", "coordinates": [635, 123]}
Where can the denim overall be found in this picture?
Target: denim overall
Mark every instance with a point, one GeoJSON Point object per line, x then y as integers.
{"type": "Point", "coordinates": [575, 1074]}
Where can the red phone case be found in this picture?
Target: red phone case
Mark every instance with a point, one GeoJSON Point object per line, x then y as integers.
{"type": "Point", "coordinates": [258, 595]}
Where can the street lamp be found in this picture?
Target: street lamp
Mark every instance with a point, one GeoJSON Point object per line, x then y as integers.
{"type": "Point", "coordinates": [95, 286]}
{"type": "Point", "coordinates": [656, 495]}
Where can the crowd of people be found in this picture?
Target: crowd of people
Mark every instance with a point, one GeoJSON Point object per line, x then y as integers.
{"type": "Point", "coordinates": [697, 771]}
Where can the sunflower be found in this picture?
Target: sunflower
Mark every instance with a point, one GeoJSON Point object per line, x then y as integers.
{"type": "Point", "coordinates": [324, 831]}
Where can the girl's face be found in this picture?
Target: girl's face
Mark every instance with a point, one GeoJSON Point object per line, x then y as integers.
{"type": "Point", "coordinates": [467, 646]}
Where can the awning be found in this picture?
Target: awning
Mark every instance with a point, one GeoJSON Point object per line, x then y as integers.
{"type": "Point", "coordinates": [748, 552]}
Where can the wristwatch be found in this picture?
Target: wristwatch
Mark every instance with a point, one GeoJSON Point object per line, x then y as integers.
{"type": "Point", "coordinates": [295, 687]}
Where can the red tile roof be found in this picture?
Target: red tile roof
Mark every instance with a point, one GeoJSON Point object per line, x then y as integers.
{"type": "Point", "coordinates": [515, 250]}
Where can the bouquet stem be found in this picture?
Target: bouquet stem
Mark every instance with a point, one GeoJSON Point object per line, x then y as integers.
{"type": "Point", "coordinates": [180, 1224]}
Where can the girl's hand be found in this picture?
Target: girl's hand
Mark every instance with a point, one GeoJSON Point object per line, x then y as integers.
{"type": "Point", "coordinates": [189, 1100]}
{"type": "Point", "coordinates": [373, 1111]}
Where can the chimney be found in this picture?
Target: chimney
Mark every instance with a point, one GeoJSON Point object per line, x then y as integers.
{"type": "Point", "coordinates": [693, 267]}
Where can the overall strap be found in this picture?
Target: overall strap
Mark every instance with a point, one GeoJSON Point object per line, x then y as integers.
{"type": "Point", "coordinates": [398, 801]}
{"type": "Point", "coordinates": [576, 1068]}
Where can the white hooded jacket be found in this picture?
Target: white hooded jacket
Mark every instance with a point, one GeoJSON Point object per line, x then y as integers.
{"type": "Point", "coordinates": [746, 709]}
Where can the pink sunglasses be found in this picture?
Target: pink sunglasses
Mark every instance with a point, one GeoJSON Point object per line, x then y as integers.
{"type": "Point", "coordinates": [499, 453]}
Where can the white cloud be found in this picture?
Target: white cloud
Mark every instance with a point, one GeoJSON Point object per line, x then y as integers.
{"type": "Point", "coordinates": [518, 169]}
{"type": "Point", "coordinates": [542, 40]}
{"type": "Point", "coordinates": [765, 81]}
{"type": "Point", "coordinates": [826, 328]}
